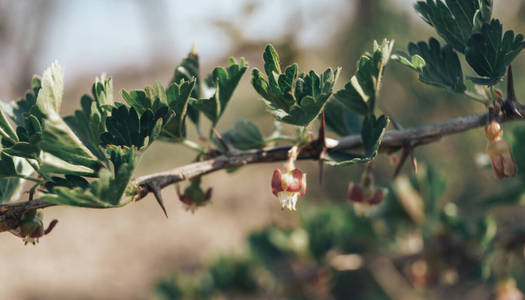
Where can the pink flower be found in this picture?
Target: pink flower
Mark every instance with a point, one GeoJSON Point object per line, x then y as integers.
{"type": "Point", "coordinates": [288, 186]}
{"type": "Point", "coordinates": [365, 195]}
{"type": "Point", "coordinates": [499, 152]}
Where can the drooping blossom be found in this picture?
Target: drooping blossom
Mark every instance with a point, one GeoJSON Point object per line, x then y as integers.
{"type": "Point", "coordinates": [499, 151]}
{"type": "Point", "coordinates": [291, 184]}
{"type": "Point", "coordinates": [364, 196]}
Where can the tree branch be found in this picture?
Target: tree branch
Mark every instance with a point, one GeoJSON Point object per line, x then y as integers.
{"type": "Point", "coordinates": [392, 141]}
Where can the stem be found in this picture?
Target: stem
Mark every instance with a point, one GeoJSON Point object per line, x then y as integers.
{"type": "Point", "coordinates": [37, 170]}
{"type": "Point", "coordinates": [475, 97]}
{"type": "Point", "coordinates": [280, 138]}
{"type": "Point", "coordinates": [30, 178]}
{"type": "Point", "coordinates": [193, 146]}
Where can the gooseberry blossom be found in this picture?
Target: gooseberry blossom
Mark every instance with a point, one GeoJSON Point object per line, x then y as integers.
{"type": "Point", "coordinates": [291, 184]}
{"type": "Point", "coordinates": [193, 196]}
{"type": "Point", "coordinates": [499, 151]}
{"type": "Point", "coordinates": [365, 196]}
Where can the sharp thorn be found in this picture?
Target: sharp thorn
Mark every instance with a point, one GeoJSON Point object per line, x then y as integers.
{"type": "Point", "coordinates": [511, 93]}
{"type": "Point", "coordinates": [158, 196]}
{"type": "Point", "coordinates": [414, 161]}
{"type": "Point", "coordinates": [401, 162]}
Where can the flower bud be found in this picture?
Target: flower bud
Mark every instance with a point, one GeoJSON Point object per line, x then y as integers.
{"type": "Point", "coordinates": [499, 151]}
{"type": "Point", "coordinates": [31, 227]}
{"type": "Point", "coordinates": [193, 196]}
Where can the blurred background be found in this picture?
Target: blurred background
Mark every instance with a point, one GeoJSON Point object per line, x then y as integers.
{"type": "Point", "coordinates": [136, 253]}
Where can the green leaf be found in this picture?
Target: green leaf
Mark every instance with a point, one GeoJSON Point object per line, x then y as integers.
{"type": "Point", "coordinates": [371, 133]}
{"type": "Point", "coordinates": [453, 21]}
{"type": "Point", "coordinates": [245, 136]}
{"type": "Point", "coordinates": [441, 67]}
{"type": "Point", "coordinates": [151, 98]}
{"type": "Point", "coordinates": [178, 101]}
{"type": "Point", "coordinates": [359, 94]}
{"type": "Point", "coordinates": [340, 120]}
{"type": "Point", "coordinates": [188, 70]}
{"type": "Point", "coordinates": [226, 80]}
{"type": "Point", "coordinates": [60, 141]}
{"type": "Point", "coordinates": [6, 131]}
{"type": "Point", "coordinates": [11, 188]}
{"type": "Point", "coordinates": [489, 52]}
{"type": "Point", "coordinates": [125, 128]}
{"type": "Point", "coordinates": [290, 97]}
{"type": "Point", "coordinates": [89, 123]}
{"type": "Point", "coordinates": [7, 166]}
{"type": "Point", "coordinates": [104, 192]}
{"type": "Point", "coordinates": [102, 91]}
{"type": "Point", "coordinates": [50, 95]}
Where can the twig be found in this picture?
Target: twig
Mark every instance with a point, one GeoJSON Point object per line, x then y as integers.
{"type": "Point", "coordinates": [392, 141]}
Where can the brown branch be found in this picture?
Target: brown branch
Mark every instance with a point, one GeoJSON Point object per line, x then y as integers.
{"type": "Point", "coordinates": [392, 141]}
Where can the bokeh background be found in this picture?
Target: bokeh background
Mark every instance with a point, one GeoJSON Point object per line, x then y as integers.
{"type": "Point", "coordinates": [123, 253]}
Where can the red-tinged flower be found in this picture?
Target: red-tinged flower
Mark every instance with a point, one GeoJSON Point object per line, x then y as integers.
{"type": "Point", "coordinates": [365, 196]}
{"type": "Point", "coordinates": [499, 152]}
{"type": "Point", "coordinates": [193, 196]}
{"type": "Point", "coordinates": [291, 184]}
{"type": "Point", "coordinates": [31, 227]}
{"type": "Point", "coordinates": [288, 187]}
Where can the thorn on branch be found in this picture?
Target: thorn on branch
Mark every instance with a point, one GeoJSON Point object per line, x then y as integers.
{"type": "Point", "coordinates": [408, 150]}
{"type": "Point", "coordinates": [158, 196]}
{"type": "Point", "coordinates": [511, 105]}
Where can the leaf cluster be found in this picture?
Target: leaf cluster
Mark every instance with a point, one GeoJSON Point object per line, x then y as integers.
{"type": "Point", "coordinates": [467, 28]}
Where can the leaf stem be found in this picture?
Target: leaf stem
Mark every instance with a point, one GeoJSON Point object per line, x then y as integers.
{"type": "Point", "coordinates": [280, 138]}
{"type": "Point", "coordinates": [193, 146]}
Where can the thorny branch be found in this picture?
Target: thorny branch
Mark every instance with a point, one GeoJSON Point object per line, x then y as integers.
{"type": "Point", "coordinates": [392, 141]}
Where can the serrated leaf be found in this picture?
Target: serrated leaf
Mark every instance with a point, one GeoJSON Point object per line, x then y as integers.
{"type": "Point", "coordinates": [490, 52]}
{"type": "Point", "coordinates": [178, 96]}
{"type": "Point", "coordinates": [125, 128]}
{"type": "Point", "coordinates": [245, 136]}
{"type": "Point", "coordinates": [189, 70]}
{"type": "Point", "coordinates": [50, 95]}
{"type": "Point", "coordinates": [442, 67]}
{"type": "Point", "coordinates": [226, 80]}
{"type": "Point", "coordinates": [102, 91]}
{"type": "Point", "coordinates": [360, 93]}
{"type": "Point", "coordinates": [453, 21]}
{"type": "Point", "coordinates": [290, 97]}
{"type": "Point", "coordinates": [104, 192]}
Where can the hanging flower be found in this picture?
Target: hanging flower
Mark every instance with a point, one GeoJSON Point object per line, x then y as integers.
{"type": "Point", "coordinates": [365, 196]}
{"type": "Point", "coordinates": [291, 184]}
{"type": "Point", "coordinates": [193, 196]}
{"type": "Point", "coordinates": [31, 227]}
{"type": "Point", "coordinates": [499, 152]}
